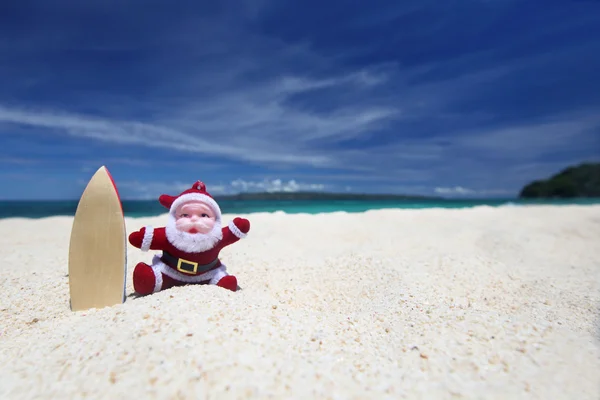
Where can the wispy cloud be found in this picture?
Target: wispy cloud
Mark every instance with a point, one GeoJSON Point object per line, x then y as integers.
{"type": "Point", "coordinates": [531, 140]}
{"type": "Point", "coordinates": [153, 189]}
{"type": "Point", "coordinates": [275, 185]}
{"type": "Point", "coordinates": [252, 124]}
{"type": "Point", "coordinates": [142, 134]}
{"type": "Point", "coordinates": [19, 161]}
{"type": "Point", "coordinates": [461, 191]}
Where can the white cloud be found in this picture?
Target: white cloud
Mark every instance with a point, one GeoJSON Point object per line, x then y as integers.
{"type": "Point", "coordinates": [152, 190]}
{"type": "Point", "coordinates": [362, 78]}
{"type": "Point", "coordinates": [275, 185]}
{"type": "Point", "coordinates": [453, 190]}
{"type": "Point", "coordinates": [462, 191]}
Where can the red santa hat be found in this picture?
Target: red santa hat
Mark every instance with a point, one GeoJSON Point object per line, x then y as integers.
{"type": "Point", "coordinates": [196, 193]}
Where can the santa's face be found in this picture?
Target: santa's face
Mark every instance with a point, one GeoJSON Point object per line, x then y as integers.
{"type": "Point", "coordinates": [194, 227]}
{"type": "Point", "coordinates": [194, 217]}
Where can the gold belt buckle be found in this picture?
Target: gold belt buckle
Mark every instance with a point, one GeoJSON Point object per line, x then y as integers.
{"type": "Point", "coordinates": [187, 266]}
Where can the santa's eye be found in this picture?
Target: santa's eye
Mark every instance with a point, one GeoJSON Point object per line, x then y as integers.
{"type": "Point", "coordinates": [185, 215]}
{"type": "Point", "coordinates": [205, 215]}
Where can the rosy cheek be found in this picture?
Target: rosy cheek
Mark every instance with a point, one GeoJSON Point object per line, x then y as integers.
{"type": "Point", "coordinates": [181, 221]}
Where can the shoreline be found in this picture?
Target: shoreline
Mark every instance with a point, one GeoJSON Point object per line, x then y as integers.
{"type": "Point", "coordinates": [508, 204]}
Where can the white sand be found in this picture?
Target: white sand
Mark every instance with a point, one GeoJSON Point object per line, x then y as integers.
{"type": "Point", "coordinates": [480, 303]}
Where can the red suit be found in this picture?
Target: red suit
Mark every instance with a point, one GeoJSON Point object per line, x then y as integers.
{"type": "Point", "coordinates": [186, 258]}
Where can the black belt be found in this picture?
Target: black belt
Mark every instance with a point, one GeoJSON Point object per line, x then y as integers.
{"type": "Point", "coordinates": [187, 266]}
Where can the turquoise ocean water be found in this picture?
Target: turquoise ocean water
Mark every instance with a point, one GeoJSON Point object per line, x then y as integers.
{"type": "Point", "coordinates": [41, 209]}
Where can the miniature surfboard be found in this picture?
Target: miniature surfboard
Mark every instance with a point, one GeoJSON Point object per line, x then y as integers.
{"type": "Point", "coordinates": [98, 247]}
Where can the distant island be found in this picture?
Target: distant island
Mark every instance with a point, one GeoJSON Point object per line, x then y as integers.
{"type": "Point", "coordinates": [311, 196]}
{"type": "Point", "coordinates": [581, 180]}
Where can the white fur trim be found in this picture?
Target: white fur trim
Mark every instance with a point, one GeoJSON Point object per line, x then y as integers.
{"type": "Point", "coordinates": [235, 230]}
{"type": "Point", "coordinates": [221, 272]}
{"type": "Point", "coordinates": [158, 278]}
{"type": "Point", "coordinates": [147, 240]}
{"type": "Point", "coordinates": [193, 242]}
{"type": "Point", "coordinates": [198, 197]}
{"type": "Point", "coordinates": [160, 267]}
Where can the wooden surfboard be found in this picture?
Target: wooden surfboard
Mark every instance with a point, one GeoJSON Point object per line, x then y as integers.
{"type": "Point", "coordinates": [98, 247]}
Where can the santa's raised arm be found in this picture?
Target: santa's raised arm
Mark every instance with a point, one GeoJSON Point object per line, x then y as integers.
{"type": "Point", "coordinates": [190, 243]}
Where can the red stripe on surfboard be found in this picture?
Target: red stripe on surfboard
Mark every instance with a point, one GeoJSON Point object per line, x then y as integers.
{"type": "Point", "coordinates": [115, 187]}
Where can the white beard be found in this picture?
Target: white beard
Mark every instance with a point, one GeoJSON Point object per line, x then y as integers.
{"type": "Point", "coordinates": [193, 242]}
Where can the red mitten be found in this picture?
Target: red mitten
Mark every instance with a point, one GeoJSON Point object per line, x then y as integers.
{"type": "Point", "coordinates": [136, 238]}
{"type": "Point", "coordinates": [242, 224]}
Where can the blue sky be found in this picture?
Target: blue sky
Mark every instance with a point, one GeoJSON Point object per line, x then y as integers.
{"type": "Point", "coordinates": [459, 98]}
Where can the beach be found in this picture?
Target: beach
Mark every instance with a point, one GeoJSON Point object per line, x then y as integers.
{"type": "Point", "coordinates": [478, 303]}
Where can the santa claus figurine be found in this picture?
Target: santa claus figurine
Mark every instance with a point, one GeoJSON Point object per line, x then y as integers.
{"type": "Point", "coordinates": [190, 244]}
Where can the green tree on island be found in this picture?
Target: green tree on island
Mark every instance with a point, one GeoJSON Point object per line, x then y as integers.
{"type": "Point", "coordinates": [576, 181]}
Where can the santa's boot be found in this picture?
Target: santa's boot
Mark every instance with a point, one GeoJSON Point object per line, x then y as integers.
{"type": "Point", "coordinates": [228, 282]}
{"type": "Point", "coordinates": [143, 279]}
